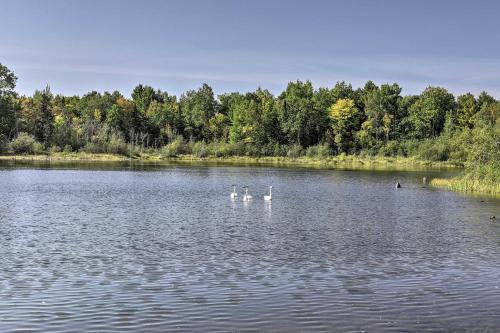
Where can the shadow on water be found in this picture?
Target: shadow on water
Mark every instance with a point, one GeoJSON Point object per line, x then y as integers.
{"type": "Point", "coordinates": [152, 165]}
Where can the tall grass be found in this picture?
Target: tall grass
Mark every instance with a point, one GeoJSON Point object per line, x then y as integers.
{"type": "Point", "coordinates": [481, 179]}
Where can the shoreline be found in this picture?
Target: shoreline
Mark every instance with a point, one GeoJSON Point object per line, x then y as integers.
{"type": "Point", "coordinates": [341, 162]}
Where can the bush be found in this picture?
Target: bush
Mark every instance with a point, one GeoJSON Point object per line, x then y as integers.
{"type": "Point", "coordinates": [38, 148]}
{"type": "Point", "coordinates": [93, 148]}
{"type": "Point", "coordinates": [294, 151]}
{"type": "Point", "coordinates": [106, 142]}
{"type": "Point", "coordinates": [116, 145]}
{"type": "Point", "coordinates": [368, 152]}
{"type": "Point", "coordinates": [149, 150]}
{"type": "Point", "coordinates": [199, 149]}
{"type": "Point", "coordinates": [175, 148]}
{"type": "Point", "coordinates": [3, 144]}
{"type": "Point", "coordinates": [318, 151]}
{"type": "Point", "coordinates": [219, 149]}
{"type": "Point", "coordinates": [237, 149]}
{"type": "Point", "coordinates": [279, 150]}
{"type": "Point", "coordinates": [67, 149]}
{"type": "Point", "coordinates": [411, 147]}
{"type": "Point", "coordinates": [26, 144]}
{"type": "Point", "coordinates": [55, 149]}
{"type": "Point", "coordinates": [252, 150]}
{"type": "Point", "coordinates": [311, 151]}
{"type": "Point", "coordinates": [433, 150]}
{"type": "Point", "coordinates": [393, 149]}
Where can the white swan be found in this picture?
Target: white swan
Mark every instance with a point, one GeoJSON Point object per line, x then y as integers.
{"type": "Point", "coordinates": [247, 197]}
{"type": "Point", "coordinates": [234, 194]}
{"type": "Point", "coordinates": [270, 196]}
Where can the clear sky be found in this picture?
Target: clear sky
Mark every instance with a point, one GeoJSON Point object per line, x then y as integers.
{"type": "Point", "coordinates": [238, 45]}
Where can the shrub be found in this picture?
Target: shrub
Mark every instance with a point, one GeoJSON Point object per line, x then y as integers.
{"type": "Point", "coordinates": [67, 149]}
{"type": "Point", "coordinates": [116, 145]}
{"type": "Point", "coordinates": [38, 148]}
{"type": "Point", "coordinates": [323, 151]}
{"type": "Point", "coordinates": [55, 149]}
{"type": "Point", "coordinates": [311, 151]}
{"type": "Point", "coordinates": [252, 150]}
{"type": "Point", "coordinates": [3, 144]}
{"type": "Point", "coordinates": [318, 151]}
{"type": "Point", "coordinates": [26, 144]}
{"type": "Point", "coordinates": [219, 149]}
{"type": "Point", "coordinates": [267, 150]}
{"type": "Point", "coordinates": [294, 151]}
{"type": "Point", "coordinates": [392, 149]}
{"type": "Point", "coordinates": [279, 150]}
{"type": "Point", "coordinates": [433, 150]}
{"type": "Point", "coordinates": [200, 149]}
{"type": "Point", "coordinates": [175, 148]}
{"type": "Point", "coordinates": [237, 149]}
{"type": "Point", "coordinates": [93, 148]}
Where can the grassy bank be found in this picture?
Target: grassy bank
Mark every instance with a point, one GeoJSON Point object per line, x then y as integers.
{"type": "Point", "coordinates": [482, 179]}
{"type": "Point", "coordinates": [341, 161]}
{"type": "Point", "coordinates": [80, 156]}
{"type": "Point", "coordinates": [355, 162]}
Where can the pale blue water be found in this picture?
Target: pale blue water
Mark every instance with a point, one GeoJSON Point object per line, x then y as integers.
{"type": "Point", "coordinates": [164, 248]}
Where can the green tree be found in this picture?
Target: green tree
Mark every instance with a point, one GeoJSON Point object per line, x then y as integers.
{"type": "Point", "coordinates": [467, 108]}
{"type": "Point", "coordinates": [405, 125]}
{"type": "Point", "coordinates": [269, 129]}
{"type": "Point", "coordinates": [382, 108]}
{"type": "Point", "coordinates": [230, 105]}
{"type": "Point", "coordinates": [91, 113]}
{"type": "Point", "coordinates": [44, 118]}
{"type": "Point", "coordinates": [342, 90]}
{"type": "Point", "coordinates": [164, 119]}
{"type": "Point", "coordinates": [488, 115]}
{"type": "Point", "coordinates": [143, 96]}
{"type": "Point", "coordinates": [64, 112]}
{"type": "Point", "coordinates": [197, 108]}
{"type": "Point", "coordinates": [244, 115]}
{"type": "Point", "coordinates": [7, 80]}
{"type": "Point", "coordinates": [121, 117]}
{"type": "Point", "coordinates": [364, 135]}
{"type": "Point", "coordinates": [301, 122]}
{"type": "Point", "coordinates": [428, 113]}
{"type": "Point", "coordinates": [8, 104]}
{"type": "Point", "coordinates": [484, 99]}
{"type": "Point", "coordinates": [219, 126]}
{"type": "Point", "coordinates": [324, 98]}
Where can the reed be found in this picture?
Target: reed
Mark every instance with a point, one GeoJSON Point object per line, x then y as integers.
{"type": "Point", "coordinates": [481, 179]}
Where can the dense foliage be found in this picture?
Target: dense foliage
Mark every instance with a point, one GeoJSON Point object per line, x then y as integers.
{"type": "Point", "coordinates": [373, 120]}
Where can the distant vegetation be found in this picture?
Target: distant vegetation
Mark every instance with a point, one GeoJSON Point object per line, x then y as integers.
{"type": "Point", "coordinates": [301, 121]}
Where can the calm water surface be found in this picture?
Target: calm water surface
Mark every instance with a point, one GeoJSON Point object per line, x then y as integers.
{"type": "Point", "coordinates": [139, 249]}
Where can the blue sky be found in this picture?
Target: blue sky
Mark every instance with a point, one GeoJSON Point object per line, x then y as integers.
{"type": "Point", "coordinates": [79, 46]}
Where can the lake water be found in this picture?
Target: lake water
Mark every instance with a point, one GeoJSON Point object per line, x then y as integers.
{"type": "Point", "coordinates": [164, 248]}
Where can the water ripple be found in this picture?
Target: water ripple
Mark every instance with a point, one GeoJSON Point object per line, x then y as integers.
{"type": "Point", "coordinates": [166, 250]}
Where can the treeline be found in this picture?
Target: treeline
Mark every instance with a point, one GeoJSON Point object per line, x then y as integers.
{"type": "Point", "coordinates": [434, 125]}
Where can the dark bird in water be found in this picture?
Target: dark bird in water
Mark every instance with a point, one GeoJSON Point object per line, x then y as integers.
{"type": "Point", "coordinates": [492, 217]}
{"type": "Point", "coordinates": [398, 185]}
